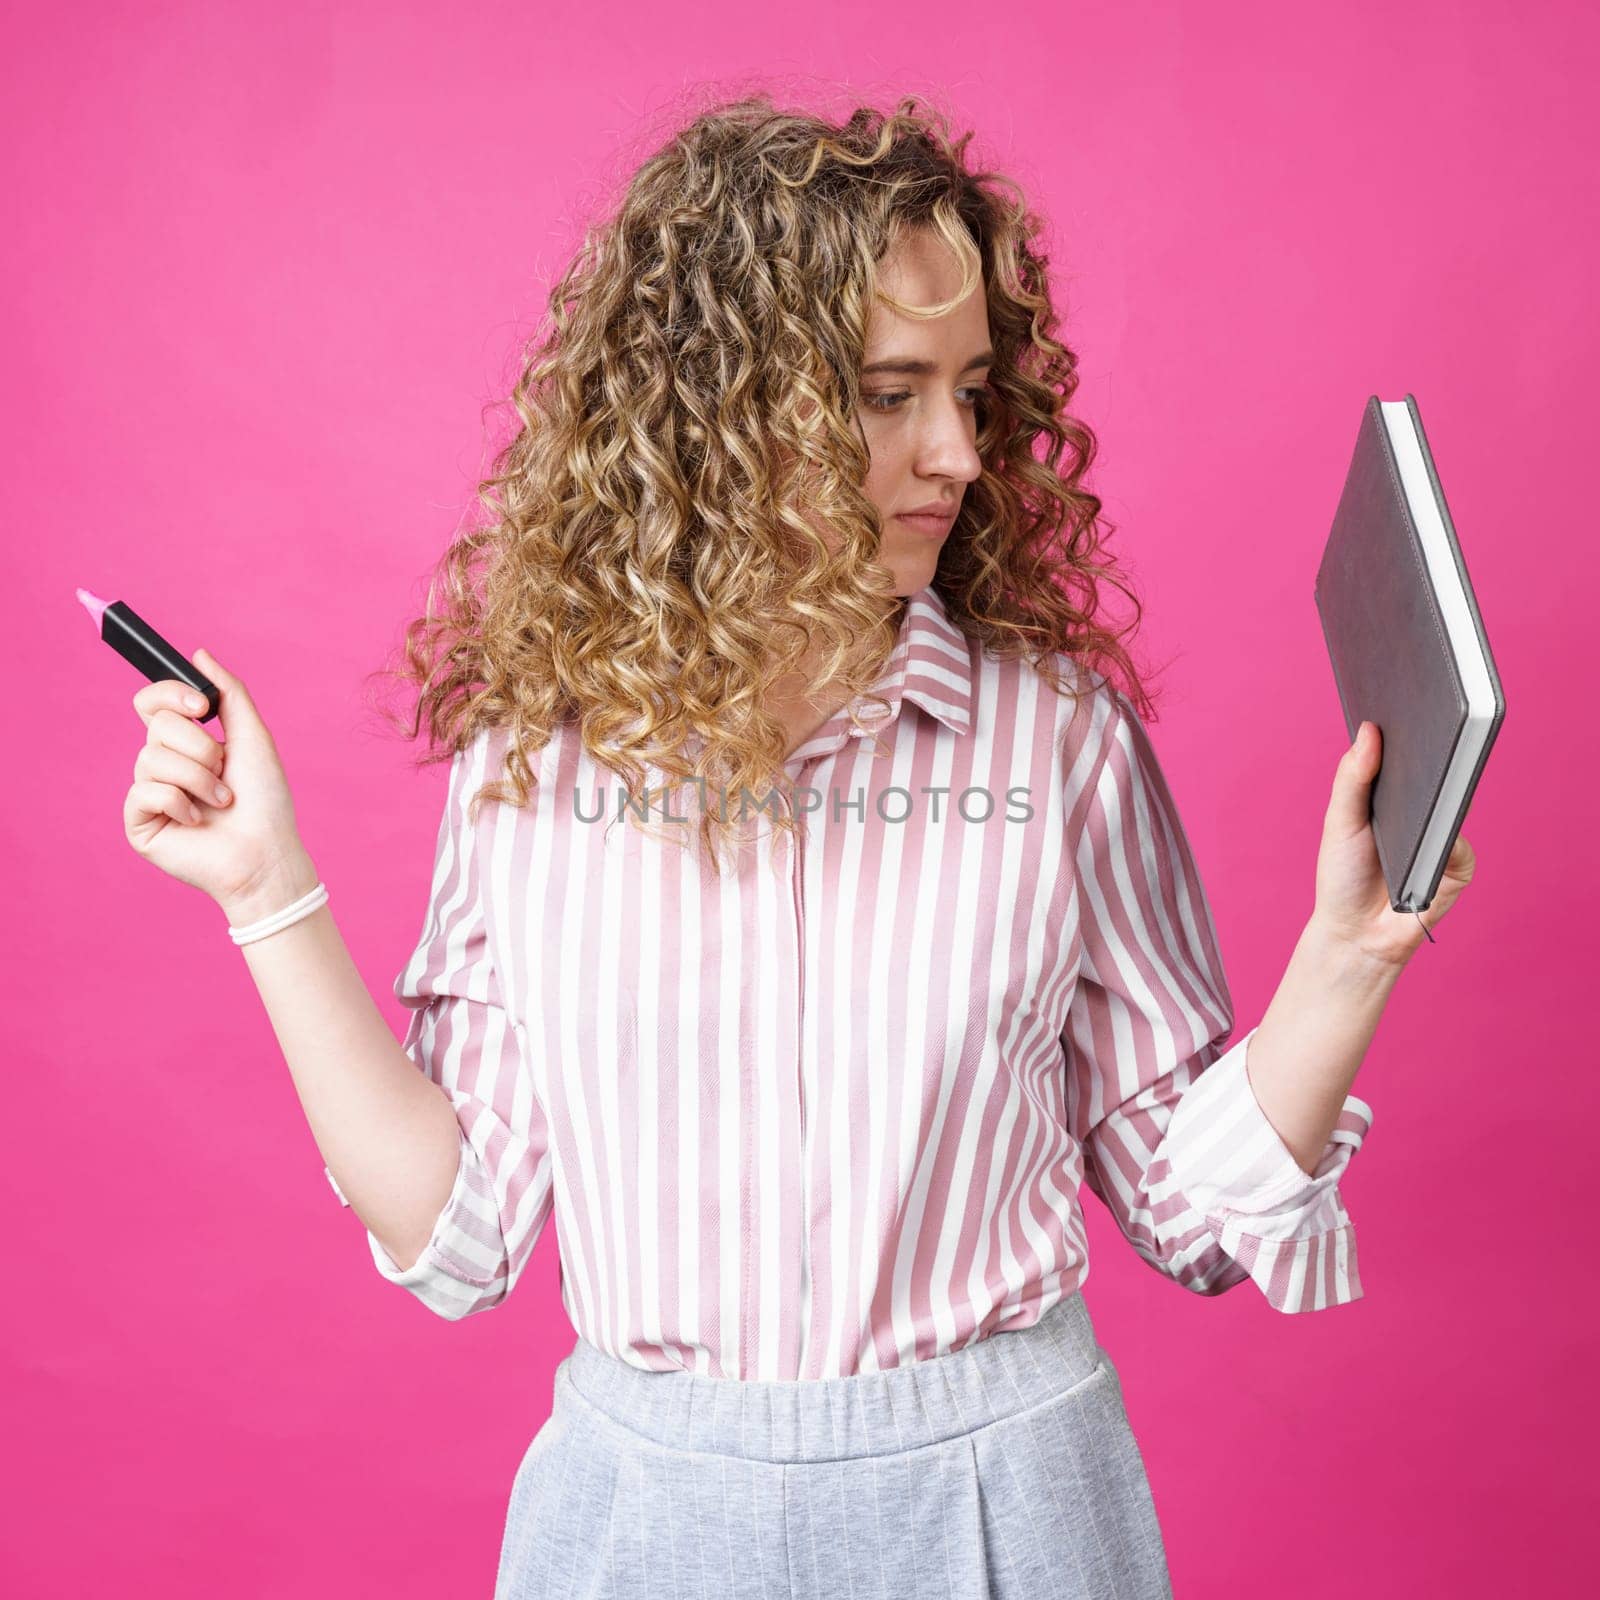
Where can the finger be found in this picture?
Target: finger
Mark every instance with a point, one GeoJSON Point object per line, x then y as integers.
{"type": "Point", "coordinates": [165, 765]}
{"type": "Point", "coordinates": [167, 729]}
{"type": "Point", "coordinates": [1350, 806]}
{"type": "Point", "coordinates": [236, 708]}
{"type": "Point", "coordinates": [152, 799]}
{"type": "Point", "coordinates": [171, 694]}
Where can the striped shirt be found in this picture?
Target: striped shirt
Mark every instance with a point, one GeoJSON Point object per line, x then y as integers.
{"type": "Point", "coordinates": [835, 1110]}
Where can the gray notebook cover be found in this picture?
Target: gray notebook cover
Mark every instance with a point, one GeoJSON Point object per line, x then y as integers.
{"type": "Point", "coordinates": [1392, 660]}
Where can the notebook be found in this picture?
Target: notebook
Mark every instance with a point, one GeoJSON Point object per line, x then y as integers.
{"type": "Point", "coordinates": [1408, 647]}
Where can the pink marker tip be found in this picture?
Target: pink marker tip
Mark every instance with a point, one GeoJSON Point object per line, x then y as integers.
{"type": "Point", "coordinates": [93, 604]}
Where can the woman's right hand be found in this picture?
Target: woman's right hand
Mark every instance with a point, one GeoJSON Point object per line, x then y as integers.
{"type": "Point", "coordinates": [228, 845]}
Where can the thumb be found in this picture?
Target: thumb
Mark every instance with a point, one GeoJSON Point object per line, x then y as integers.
{"type": "Point", "coordinates": [236, 710]}
{"type": "Point", "coordinates": [1350, 809]}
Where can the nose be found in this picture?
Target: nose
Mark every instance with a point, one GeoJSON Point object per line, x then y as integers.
{"type": "Point", "coordinates": [947, 450]}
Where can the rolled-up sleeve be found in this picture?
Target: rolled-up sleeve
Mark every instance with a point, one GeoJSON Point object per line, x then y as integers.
{"type": "Point", "coordinates": [461, 1036]}
{"type": "Point", "coordinates": [1174, 1141]}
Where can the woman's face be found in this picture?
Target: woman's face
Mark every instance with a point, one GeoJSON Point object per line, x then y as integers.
{"type": "Point", "coordinates": [920, 385]}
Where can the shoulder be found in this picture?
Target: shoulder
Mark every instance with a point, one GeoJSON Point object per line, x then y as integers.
{"type": "Point", "coordinates": [1090, 710]}
{"type": "Point", "coordinates": [1076, 713]}
{"type": "Point", "coordinates": [477, 761]}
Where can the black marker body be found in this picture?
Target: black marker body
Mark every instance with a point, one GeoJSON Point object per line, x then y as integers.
{"type": "Point", "coordinates": [135, 640]}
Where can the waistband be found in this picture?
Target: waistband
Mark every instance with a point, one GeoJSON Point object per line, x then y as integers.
{"type": "Point", "coordinates": [864, 1414]}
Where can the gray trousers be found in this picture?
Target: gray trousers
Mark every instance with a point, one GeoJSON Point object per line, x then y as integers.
{"type": "Point", "coordinates": [1005, 1469]}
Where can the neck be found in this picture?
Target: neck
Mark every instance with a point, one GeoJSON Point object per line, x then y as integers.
{"type": "Point", "coordinates": [792, 694]}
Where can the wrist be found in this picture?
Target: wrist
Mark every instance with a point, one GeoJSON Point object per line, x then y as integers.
{"type": "Point", "coordinates": [1349, 966]}
{"type": "Point", "coordinates": [289, 878]}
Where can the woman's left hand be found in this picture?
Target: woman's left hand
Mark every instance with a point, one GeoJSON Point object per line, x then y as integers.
{"type": "Point", "coordinates": [1352, 897]}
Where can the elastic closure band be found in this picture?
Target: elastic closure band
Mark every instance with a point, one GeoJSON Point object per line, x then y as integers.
{"type": "Point", "coordinates": [867, 1413]}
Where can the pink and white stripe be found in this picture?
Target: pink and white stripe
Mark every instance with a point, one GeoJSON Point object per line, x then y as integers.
{"type": "Point", "coordinates": [834, 1111]}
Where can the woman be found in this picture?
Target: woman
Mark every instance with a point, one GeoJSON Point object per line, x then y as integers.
{"type": "Point", "coordinates": [899, 944]}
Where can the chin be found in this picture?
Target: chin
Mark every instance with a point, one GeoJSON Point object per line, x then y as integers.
{"type": "Point", "coordinates": [909, 576]}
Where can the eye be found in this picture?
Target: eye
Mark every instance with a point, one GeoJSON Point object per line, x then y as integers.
{"type": "Point", "coordinates": [887, 401]}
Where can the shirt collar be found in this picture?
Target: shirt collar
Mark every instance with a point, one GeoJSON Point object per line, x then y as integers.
{"type": "Point", "coordinates": [931, 666]}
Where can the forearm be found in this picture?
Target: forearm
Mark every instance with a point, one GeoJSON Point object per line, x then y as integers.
{"type": "Point", "coordinates": [1307, 1049]}
{"type": "Point", "coordinates": [387, 1132]}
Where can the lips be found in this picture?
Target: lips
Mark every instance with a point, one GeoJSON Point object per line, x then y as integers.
{"type": "Point", "coordinates": [932, 522]}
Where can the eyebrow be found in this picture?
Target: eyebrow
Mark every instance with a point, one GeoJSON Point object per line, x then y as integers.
{"type": "Point", "coordinates": [923, 369]}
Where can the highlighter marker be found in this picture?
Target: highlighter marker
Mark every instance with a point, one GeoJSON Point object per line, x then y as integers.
{"type": "Point", "coordinates": [133, 638]}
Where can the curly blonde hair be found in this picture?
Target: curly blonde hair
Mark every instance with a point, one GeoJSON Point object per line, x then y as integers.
{"type": "Point", "coordinates": [648, 569]}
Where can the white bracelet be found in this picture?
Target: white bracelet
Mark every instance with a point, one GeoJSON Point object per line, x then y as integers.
{"type": "Point", "coordinates": [303, 907]}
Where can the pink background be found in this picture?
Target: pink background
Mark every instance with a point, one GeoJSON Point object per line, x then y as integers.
{"type": "Point", "coordinates": [264, 271]}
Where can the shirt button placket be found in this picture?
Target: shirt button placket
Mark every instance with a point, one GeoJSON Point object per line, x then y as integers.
{"type": "Point", "coordinates": [795, 856]}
